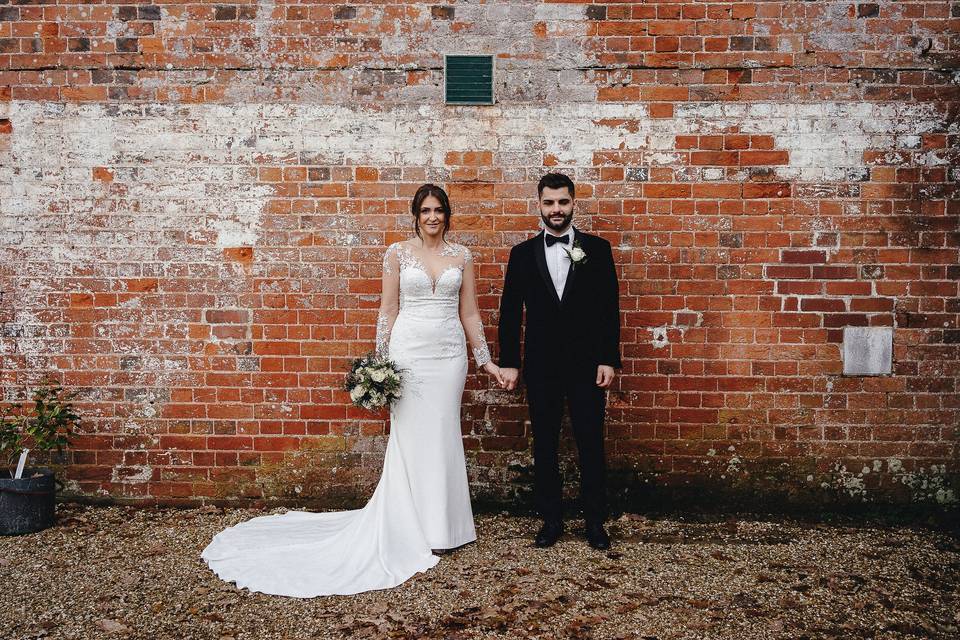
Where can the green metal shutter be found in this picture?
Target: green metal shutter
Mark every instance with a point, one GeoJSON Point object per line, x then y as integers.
{"type": "Point", "coordinates": [469, 79]}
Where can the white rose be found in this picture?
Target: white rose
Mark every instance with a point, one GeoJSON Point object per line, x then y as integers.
{"type": "Point", "coordinates": [378, 375]}
{"type": "Point", "coordinates": [577, 254]}
{"type": "Point", "coordinates": [357, 392]}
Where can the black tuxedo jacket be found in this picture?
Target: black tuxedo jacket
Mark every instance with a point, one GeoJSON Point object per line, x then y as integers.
{"type": "Point", "coordinates": [581, 330]}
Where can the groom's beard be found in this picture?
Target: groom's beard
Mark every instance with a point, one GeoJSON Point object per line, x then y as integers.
{"type": "Point", "coordinates": [556, 224]}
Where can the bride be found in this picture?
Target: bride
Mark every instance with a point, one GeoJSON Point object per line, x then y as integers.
{"type": "Point", "coordinates": [422, 503]}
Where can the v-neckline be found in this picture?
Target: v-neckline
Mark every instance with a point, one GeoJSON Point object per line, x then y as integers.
{"type": "Point", "coordinates": [422, 265]}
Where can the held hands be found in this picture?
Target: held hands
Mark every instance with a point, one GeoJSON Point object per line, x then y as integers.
{"type": "Point", "coordinates": [509, 378]}
{"type": "Point", "coordinates": [496, 372]}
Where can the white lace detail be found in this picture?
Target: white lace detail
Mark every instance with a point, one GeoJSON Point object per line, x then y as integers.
{"type": "Point", "coordinates": [429, 318]}
{"type": "Point", "coordinates": [410, 260]}
{"type": "Point", "coordinates": [428, 324]}
{"type": "Point", "coordinates": [481, 354]}
{"type": "Point", "coordinates": [383, 335]}
{"type": "Point", "coordinates": [387, 264]}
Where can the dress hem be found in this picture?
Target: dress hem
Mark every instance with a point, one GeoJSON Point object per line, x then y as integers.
{"type": "Point", "coordinates": [224, 574]}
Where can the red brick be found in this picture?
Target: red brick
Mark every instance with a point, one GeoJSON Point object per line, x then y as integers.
{"type": "Point", "coordinates": [721, 158]}
{"type": "Point", "coordinates": [751, 275]}
{"type": "Point", "coordinates": [803, 256]}
{"type": "Point", "coordinates": [767, 190]}
{"type": "Point", "coordinates": [764, 157]}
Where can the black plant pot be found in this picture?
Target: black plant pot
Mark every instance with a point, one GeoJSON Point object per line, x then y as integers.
{"type": "Point", "coordinates": [29, 503]}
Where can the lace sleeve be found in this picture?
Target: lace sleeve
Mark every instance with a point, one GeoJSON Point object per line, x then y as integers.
{"type": "Point", "coordinates": [481, 353]}
{"type": "Point", "coordinates": [470, 313]}
{"type": "Point", "coordinates": [389, 300]}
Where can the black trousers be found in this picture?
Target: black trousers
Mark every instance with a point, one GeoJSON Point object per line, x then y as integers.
{"type": "Point", "coordinates": [546, 396]}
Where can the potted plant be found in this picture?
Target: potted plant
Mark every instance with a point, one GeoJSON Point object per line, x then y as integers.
{"type": "Point", "coordinates": [28, 494]}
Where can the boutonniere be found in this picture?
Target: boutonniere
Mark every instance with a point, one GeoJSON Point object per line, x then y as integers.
{"type": "Point", "coordinates": [576, 254]}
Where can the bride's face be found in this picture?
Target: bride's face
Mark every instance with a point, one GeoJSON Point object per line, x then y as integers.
{"type": "Point", "coordinates": [431, 218]}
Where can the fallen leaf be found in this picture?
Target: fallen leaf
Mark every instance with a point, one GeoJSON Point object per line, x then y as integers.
{"type": "Point", "coordinates": [112, 626]}
{"type": "Point", "coordinates": [129, 580]}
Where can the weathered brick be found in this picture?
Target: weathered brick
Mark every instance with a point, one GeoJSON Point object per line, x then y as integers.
{"type": "Point", "coordinates": [225, 12]}
{"type": "Point", "coordinates": [129, 45]}
{"type": "Point", "coordinates": [78, 44]}
{"type": "Point", "coordinates": [225, 316]}
{"type": "Point", "coordinates": [596, 12]}
{"type": "Point", "coordinates": [345, 12]}
{"type": "Point", "coordinates": [443, 12]}
{"type": "Point", "coordinates": [763, 185]}
{"type": "Point", "coordinates": [148, 12]}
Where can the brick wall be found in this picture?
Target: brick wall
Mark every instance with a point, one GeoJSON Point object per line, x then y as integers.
{"type": "Point", "coordinates": [195, 199]}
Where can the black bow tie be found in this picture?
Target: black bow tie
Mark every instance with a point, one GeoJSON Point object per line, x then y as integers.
{"type": "Point", "coordinates": [552, 239]}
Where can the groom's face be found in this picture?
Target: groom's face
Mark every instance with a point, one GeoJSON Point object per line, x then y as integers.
{"type": "Point", "coordinates": [556, 208]}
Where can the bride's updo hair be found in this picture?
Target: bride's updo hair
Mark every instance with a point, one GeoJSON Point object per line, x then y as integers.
{"type": "Point", "coordinates": [421, 195]}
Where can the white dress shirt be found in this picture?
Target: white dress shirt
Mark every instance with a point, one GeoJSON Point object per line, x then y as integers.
{"type": "Point", "coordinates": [558, 262]}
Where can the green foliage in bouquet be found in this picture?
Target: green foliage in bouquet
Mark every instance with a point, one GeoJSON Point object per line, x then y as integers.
{"type": "Point", "coordinates": [373, 382]}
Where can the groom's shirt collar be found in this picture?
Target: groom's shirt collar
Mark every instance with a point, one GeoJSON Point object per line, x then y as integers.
{"type": "Point", "coordinates": [558, 260]}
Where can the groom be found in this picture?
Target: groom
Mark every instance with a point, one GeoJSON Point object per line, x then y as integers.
{"type": "Point", "coordinates": [567, 282]}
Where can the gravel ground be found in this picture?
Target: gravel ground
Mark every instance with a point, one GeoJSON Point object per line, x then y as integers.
{"type": "Point", "coordinates": [120, 572]}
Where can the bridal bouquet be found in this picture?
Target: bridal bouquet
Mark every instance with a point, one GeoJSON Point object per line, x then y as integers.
{"type": "Point", "coordinates": [373, 382]}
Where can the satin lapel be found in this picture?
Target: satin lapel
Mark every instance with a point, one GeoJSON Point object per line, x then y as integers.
{"type": "Point", "coordinates": [571, 272]}
{"type": "Point", "coordinates": [541, 257]}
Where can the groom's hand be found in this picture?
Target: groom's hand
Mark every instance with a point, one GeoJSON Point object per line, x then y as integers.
{"type": "Point", "coordinates": [605, 375]}
{"type": "Point", "coordinates": [510, 377]}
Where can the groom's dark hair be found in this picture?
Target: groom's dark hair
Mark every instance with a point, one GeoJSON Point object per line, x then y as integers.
{"type": "Point", "coordinates": [556, 181]}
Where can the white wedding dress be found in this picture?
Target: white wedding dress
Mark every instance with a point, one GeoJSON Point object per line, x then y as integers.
{"type": "Point", "coordinates": [422, 501]}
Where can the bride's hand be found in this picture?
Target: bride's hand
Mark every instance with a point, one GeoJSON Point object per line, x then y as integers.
{"type": "Point", "coordinates": [494, 371]}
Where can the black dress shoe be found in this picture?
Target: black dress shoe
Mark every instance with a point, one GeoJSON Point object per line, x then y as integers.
{"type": "Point", "coordinates": [548, 535]}
{"type": "Point", "coordinates": [597, 537]}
